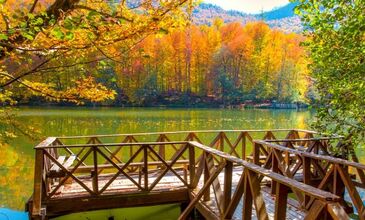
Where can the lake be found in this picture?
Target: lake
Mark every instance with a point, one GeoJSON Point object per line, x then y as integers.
{"type": "Point", "coordinates": [17, 160]}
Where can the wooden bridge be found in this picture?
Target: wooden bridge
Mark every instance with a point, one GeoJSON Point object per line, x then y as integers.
{"type": "Point", "coordinates": [229, 174]}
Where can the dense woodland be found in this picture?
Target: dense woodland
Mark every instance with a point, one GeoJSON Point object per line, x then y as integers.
{"type": "Point", "coordinates": [230, 63]}
{"type": "Point", "coordinates": [221, 64]}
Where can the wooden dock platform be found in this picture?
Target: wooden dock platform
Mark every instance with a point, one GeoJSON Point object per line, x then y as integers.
{"type": "Point", "coordinates": [232, 177]}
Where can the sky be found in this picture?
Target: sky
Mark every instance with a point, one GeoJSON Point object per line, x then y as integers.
{"type": "Point", "coordinates": [248, 6]}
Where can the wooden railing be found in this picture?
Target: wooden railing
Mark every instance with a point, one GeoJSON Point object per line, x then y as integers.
{"type": "Point", "coordinates": [145, 164]}
{"type": "Point", "coordinates": [249, 186]}
{"type": "Point", "coordinates": [238, 143]}
{"type": "Point", "coordinates": [314, 166]}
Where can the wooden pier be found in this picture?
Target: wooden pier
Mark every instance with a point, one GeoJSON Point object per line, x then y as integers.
{"type": "Point", "coordinates": [230, 174]}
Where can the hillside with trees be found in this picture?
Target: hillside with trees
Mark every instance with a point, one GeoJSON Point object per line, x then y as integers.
{"type": "Point", "coordinates": [282, 18]}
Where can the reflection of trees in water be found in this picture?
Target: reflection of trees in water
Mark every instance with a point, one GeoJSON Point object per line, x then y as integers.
{"type": "Point", "coordinates": [127, 121]}
{"type": "Point", "coordinates": [16, 177]}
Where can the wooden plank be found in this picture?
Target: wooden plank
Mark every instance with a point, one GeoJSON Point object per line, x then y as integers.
{"type": "Point", "coordinates": [281, 201]}
{"type": "Point", "coordinates": [206, 212]}
{"type": "Point", "coordinates": [206, 186]}
{"type": "Point", "coordinates": [237, 195]}
{"type": "Point", "coordinates": [55, 167]}
{"type": "Point", "coordinates": [275, 169]}
{"type": "Point", "coordinates": [70, 160]}
{"type": "Point", "coordinates": [46, 143]}
{"type": "Point", "coordinates": [258, 199]}
{"type": "Point", "coordinates": [306, 177]}
{"type": "Point", "coordinates": [256, 153]}
{"type": "Point", "coordinates": [95, 174]}
{"type": "Point", "coordinates": [315, 211]}
{"type": "Point", "coordinates": [186, 132]}
{"type": "Point", "coordinates": [134, 199]}
{"type": "Point", "coordinates": [38, 183]}
{"type": "Point", "coordinates": [337, 212]}
{"type": "Point", "coordinates": [216, 185]}
{"type": "Point", "coordinates": [199, 171]}
{"type": "Point", "coordinates": [354, 195]}
{"type": "Point", "coordinates": [191, 165]}
{"type": "Point", "coordinates": [145, 167]}
{"type": "Point", "coordinates": [227, 185]}
{"type": "Point", "coordinates": [247, 199]}
{"type": "Point", "coordinates": [206, 178]}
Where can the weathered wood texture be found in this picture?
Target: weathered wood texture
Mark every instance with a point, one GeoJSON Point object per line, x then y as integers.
{"type": "Point", "coordinates": [315, 166]}
{"type": "Point", "coordinates": [166, 165]}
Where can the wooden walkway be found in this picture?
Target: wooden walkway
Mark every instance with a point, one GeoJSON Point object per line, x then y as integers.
{"type": "Point", "coordinates": [219, 174]}
{"type": "Point", "coordinates": [293, 209]}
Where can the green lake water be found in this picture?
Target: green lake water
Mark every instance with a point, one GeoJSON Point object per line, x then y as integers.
{"type": "Point", "coordinates": [17, 157]}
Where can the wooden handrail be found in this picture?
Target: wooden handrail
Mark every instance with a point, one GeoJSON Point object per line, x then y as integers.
{"type": "Point", "coordinates": [109, 144]}
{"type": "Point", "coordinates": [303, 139]}
{"type": "Point", "coordinates": [321, 171]}
{"type": "Point", "coordinates": [312, 155]}
{"type": "Point", "coordinates": [309, 190]}
{"type": "Point", "coordinates": [185, 132]}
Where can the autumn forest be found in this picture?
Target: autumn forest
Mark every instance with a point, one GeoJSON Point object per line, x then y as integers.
{"type": "Point", "coordinates": [176, 63]}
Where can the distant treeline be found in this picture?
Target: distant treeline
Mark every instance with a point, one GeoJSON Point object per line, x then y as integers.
{"type": "Point", "coordinates": [218, 65]}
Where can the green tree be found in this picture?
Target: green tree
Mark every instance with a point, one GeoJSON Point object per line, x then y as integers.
{"type": "Point", "coordinates": [336, 40]}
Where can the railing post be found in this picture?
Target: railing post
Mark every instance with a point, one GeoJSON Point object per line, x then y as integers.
{"type": "Point", "coordinates": [94, 172]}
{"type": "Point", "coordinates": [161, 148]}
{"type": "Point", "coordinates": [145, 167]}
{"type": "Point", "coordinates": [221, 143]}
{"type": "Point", "coordinates": [228, 169]}
{"type": "Point", "coordinates": [243, 145]}
{"type": "Point", "coordinates": [256, 153]}
{"type": "Point", "coordinates": [275, 169]}
{"type": "Point", "coordinates": [306, 176]}
{"type": "Point", "coordinates": [191, 164]}
{"type": "Point", "coordinates": [281, 201]}
{"type": "Point", "coordinates": [38, 184]}
{"type": "Point", "coordinates": [206, 177]}
{"type": "Point", "coordinates": [247, 198]}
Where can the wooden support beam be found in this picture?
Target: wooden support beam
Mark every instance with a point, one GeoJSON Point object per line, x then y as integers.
{"type": "Point", "coordinates": [228, 169]}
{"type": "Point", "coordinates": [247, 199]}
{"type": "Point", "coordinates": [191, 165]}
{"type": "Point", "coordinates": [281, 201]}
{"type": "Point", "coordinates": [337, 212]}
{"type": "Point", "coordinates": [216, 185]}
{"type": "Point", "coordinates": [306, 176]}
{"type": "Point", "coordinates": [95, 174]}
{"type": "Point", "coordinates": [206, 186]}
{"type": "Point", "coordinates": [145, 167]}
{"type": "Point", "coordinates": [275, 169]}
{"type": "Point", "coordinates": [316, 210]}
{"type": "Point", "coordinates": [237, 195]}
{"type": "Point", "coordinates": [38, 183]}
{"type": "Point", "coordinates": [258, 199]}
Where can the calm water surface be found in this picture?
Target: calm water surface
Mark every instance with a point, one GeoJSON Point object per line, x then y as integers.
{"type": "Point", "coordinates": [17, 158]}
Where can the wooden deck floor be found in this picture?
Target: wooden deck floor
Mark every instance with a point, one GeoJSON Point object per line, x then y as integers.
{"type": "Point", "coordinates": [171, 183]}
